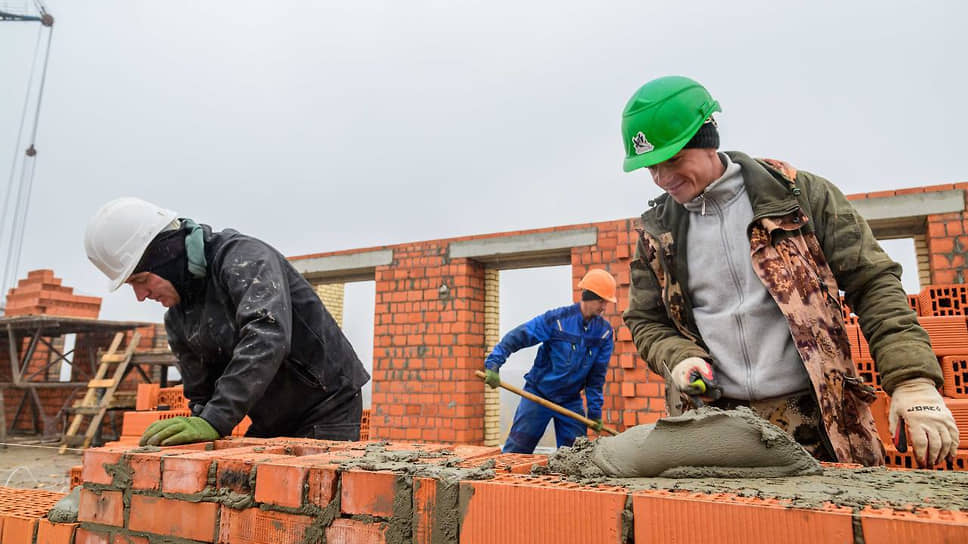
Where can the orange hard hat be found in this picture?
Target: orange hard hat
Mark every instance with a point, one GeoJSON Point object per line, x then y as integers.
{"type": "Point", "coordinates": [599, 282]}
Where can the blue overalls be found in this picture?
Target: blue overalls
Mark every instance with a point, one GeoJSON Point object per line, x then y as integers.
{"type": "Point", "coordinates": [573, 356]}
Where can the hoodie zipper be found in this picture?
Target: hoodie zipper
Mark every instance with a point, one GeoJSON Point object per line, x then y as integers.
{"type": "Point", "coordinates": [740, 328]}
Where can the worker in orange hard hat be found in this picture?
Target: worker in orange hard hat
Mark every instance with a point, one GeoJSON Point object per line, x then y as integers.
{"type": "Point", "coordinates": [576, 345]}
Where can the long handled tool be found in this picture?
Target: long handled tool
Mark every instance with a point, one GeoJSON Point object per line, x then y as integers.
{"type": "Point", "coordinates": [550, 405]}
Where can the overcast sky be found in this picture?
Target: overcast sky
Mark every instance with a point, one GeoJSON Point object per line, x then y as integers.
{"type": "Point", "coordinates": [320, 126]}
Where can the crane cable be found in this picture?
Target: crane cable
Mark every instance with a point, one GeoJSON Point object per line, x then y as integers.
{"type": "Point", "coordinates": [25, 187]}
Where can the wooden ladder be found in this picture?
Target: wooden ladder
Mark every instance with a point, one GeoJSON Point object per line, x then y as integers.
{"type": "Point", "coordinates": [100, 392]}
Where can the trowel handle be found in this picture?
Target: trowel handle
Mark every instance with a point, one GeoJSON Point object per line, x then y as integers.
{"type": "Point", "coordinates": [900, 437]}
{"type": "Point", "coordinates": [706, 386]}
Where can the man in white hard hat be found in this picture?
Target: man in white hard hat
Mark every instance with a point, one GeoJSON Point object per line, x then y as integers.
{"type": "Point", "coordinates": [250, 334]}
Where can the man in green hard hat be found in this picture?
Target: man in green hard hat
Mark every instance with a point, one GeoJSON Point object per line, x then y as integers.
{"type": "Point", "coordinates": [735, 286]}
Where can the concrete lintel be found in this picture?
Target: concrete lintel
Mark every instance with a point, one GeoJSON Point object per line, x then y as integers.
{"type": "Point", "coordinates": [349, 266]}
{"type": "Point", "coordinates": [911, 205]}
{"type": "Point", "coordinates": [521, 246]}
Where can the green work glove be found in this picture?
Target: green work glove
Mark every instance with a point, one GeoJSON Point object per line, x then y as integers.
{"type": "Point", "coordinates": [178, 430]}
{"type": "Point", "coordinates": [598, 425]}
{"type": "Point", "coordinates": [493, 379]}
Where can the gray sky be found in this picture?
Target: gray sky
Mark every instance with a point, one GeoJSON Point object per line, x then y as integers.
{"type": "Point", "coordinates": [320, 126]}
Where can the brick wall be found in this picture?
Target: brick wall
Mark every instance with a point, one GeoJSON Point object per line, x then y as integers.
{"type": "Point", "coordinates": [287, 491]}
{"type": "Point", "coordinates": [428, 340]}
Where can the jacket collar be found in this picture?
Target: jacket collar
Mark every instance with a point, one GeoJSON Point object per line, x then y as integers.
{"type": "Point", "coordinates": [721, 191]}
{"type": "Point", "coordinates": [768, 191]}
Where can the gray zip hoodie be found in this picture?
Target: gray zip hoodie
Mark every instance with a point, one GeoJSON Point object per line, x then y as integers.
{"type": "Point", "coordinates": [754, 356]}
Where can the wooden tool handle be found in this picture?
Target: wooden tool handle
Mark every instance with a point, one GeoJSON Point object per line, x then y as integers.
{"type": "Point", "coordinates": [549, 405]}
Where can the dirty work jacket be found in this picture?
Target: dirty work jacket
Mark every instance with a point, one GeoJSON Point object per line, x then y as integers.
{"type": "Point", "coordinates": [806, 242]}
{"type": "Point", "coordinates": [258, 341]}
{"type": "Point", "coordinates": [573, 355]}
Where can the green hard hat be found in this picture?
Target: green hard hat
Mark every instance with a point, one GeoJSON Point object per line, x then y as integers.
{"type": "Point", "coordinates": [661, 117]}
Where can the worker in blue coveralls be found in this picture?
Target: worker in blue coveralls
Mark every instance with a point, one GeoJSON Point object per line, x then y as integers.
{"type": "Point", "coordinates": [576, 345]}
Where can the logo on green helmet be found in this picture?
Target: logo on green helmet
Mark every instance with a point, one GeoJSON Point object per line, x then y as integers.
{"type": "Point", "coordinates": [641, 144]}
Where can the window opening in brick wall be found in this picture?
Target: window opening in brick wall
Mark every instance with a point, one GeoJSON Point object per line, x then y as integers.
{"type": "Point", "coordinates": [524, 294]}
{"type": "Point", "coordinates": [359, 302]}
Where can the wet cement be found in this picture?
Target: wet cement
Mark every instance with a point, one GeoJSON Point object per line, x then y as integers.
{"type": "Point", "coordinates": [708, 442]}
{"type": "Point", "coordinates": [876, 487]}
{"type": "Point", "coordinates": [65, 510]}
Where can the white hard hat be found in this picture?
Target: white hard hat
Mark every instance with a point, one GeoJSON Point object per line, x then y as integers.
{"type": "Point", "coordinates": [119, 233]}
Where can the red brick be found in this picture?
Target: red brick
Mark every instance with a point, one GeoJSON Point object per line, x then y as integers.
{"type": "Point", "coordinates": [95, 459]}
{"type": "Point", "coordinates": [17, 530]}
{"type": "Point", "coordinates": [880, 194]}
{"type": "Point", "coordinates": [941, 245]}
{"type": "Point", "coordinates": [939, 262]}
{"type": "Point", "coordinates": [351, 531]}
{"type": "Point", "coordinates": [365, 492]}
{"type": "Point", "coordinates": [524, 506]}
{"type": "Point", "coordinates": [90, 536]}
{"type": "Point", "coordinates": [663, 516]}
{"type": "Point", "coordinates": [926, 526]}
{"type": "Point", "coordinates": [75, 476]}
{"type": "Point", "coordinates": [955, 371]}
{"type": "Point", "coordinates": [322, 485]}
{"type": "Point", "coordinates": [146, 466]}
{"type": "Point", "coordinates": [124, 538]}
{"type": "Point", "coordinates": [49, 532]}
{"type": "Point", "coordinates": [106, 508]}
{"type": "Point", "coordinates": [147, 396]}
{"type": "Point", "coordinates": [235, 471]}
{"type": "Point", "coordinates": [424, 507]}
{"type": "Point", "coordinates": [182, 519]}
{"type": "Point", "coordinates": [186, 473]}
{"type": "Point", "coordinates": [255, 526]}
{"type": "Point", "coordinates": [281, 482]}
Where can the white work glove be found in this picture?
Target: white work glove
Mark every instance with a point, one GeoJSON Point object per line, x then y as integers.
{"type": "Point", "coordinates": [931, 427]}
{"type": "Point", "coordinates": [687, 371]}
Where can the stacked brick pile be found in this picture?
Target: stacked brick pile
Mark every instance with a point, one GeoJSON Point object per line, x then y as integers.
{"type": "Point", "coordinates": [942, 311]}
{"type": "Point", "coordinates": [154, 403]}
{"type": "Point", "coordinates": [282, 491]}
{"type": "Point", "coordinates": [40, 293]}
{"type": "Point", "coordinates": [23, 518]}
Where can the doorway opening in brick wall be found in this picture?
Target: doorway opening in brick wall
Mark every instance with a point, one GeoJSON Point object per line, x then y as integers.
{"type": "Point", "coordinates": [357, 314]}
{"type": "Point", "coordinates": [522, 294]}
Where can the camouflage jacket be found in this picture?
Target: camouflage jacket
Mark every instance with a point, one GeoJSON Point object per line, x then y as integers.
{"type": "Point", "coordinates": [806, 243]}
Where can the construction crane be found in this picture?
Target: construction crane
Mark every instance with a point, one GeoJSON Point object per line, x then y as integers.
{"type": "Point", "coordinates": [16, 195]}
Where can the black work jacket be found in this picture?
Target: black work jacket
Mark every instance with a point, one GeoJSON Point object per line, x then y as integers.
{"type": "Point", "coordinates": [257, 340]}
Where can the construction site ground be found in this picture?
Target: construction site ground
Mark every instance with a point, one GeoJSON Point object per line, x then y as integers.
{"type": "Point", "coordinates": [33, 467]}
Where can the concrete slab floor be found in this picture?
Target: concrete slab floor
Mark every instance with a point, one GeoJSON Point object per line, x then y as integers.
{"type": "Point", "coordinates": [32, 467]}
